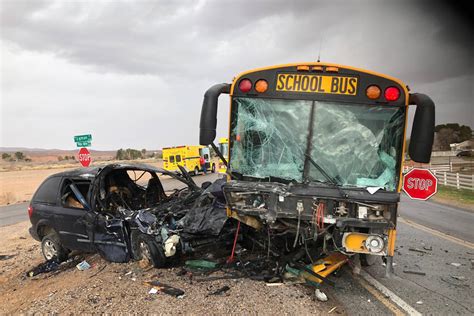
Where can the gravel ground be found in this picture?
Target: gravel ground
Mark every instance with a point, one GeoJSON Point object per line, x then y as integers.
{"type": "Point", "coordinates": [121, 288]}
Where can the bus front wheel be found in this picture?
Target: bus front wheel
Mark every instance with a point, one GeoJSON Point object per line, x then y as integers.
{"type": "Point", "coordinates": [196, 171]}
{"type": "Point", "coordinates": [213, 168]}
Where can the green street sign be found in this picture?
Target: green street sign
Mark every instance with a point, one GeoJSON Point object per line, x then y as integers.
{"type": "Point", "coordinates": [83, 138]}
{"type": "Point", "coordinates": [83, 144]}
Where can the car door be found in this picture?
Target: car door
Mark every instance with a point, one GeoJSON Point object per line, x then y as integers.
{"type": "Point", "coordinates": [71, 214]}
{"type": "Point", "coordinates": [45, 203]}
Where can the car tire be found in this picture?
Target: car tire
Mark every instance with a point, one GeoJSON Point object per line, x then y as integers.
{"type": "Point", "coordinates": [51, 248]}
{"type": "Point", "coordinates": [149, 251]}
{"type": "Point", "coordinates": [213, 169]}
{"type": "Point", "coordinates": [367, 260]}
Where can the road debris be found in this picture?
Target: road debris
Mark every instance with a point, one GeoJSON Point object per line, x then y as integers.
{"type": "Point", "coordinates": [6, 257]}
{"type": "Point", "coordinates": [419, 250]}
{"type": "Point", "coordinates": [200, 264]}
{"type": "Point", "coordinates": [220, 291]}
{"type": "Point", "coordinates": [44, 267]}
{"type": "Point", "coordinates": [83, 265]}
{"type": "Point", "coordinates": [53, 266]}
{"type": "Point", "coordinates": [459, 277]}
{"type": "Point", "coordinates": [414, 272]}
{"type": "Point", "coordinates": [455, 264]}
{"type": "Point", "coordinates": [419, 302]}
{"type": "Point", "coordinates": [165, 288]}
{"type": "Point", "coordinates": [320, 295]}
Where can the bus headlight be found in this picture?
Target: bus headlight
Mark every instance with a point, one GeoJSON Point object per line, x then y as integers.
{"type": "Point", "coordinates": [374, 243]}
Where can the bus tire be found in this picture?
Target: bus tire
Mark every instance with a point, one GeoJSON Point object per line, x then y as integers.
{"type": "Point", "coordinates": [213, 168]}
{"type": "Point", "coordinates": [196, 171]}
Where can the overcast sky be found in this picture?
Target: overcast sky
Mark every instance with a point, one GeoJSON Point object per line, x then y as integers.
{"type": "Point", "coordinates": [133, 73]}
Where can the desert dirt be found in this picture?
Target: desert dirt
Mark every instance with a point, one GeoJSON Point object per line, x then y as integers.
{"type": "Point", "coordinates": [119, 288]}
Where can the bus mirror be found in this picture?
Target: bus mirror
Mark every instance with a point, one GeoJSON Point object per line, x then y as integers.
{"type": "Point", "coordinates": [422, 133]}
{"type": "Point", "coordinates": [207, 126]}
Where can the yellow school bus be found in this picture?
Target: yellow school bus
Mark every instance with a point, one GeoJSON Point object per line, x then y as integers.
{"type": "Point", "coordinates": [188, 157]}
{"type": "Point", "coordinates": [316, 153]}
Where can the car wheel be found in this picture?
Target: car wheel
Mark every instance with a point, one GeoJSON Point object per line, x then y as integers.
{"type": "Point", "coordinates": [213, 169]}
{"type": "Point", "coordinates": [196, 171]}
{"type": "Point", "coordinates": [149, 252]}
{"type": "Point", "coordinates": [367, 260]}
{"type": "Point", "coordinates": [51, 248]}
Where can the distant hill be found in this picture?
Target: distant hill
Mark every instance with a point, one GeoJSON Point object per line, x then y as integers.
{"type": "Point", "coordinates": [43, 155]}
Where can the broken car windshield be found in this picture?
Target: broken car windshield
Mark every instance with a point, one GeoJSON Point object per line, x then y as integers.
{"type": "Point", "coordinates": [357, 145]}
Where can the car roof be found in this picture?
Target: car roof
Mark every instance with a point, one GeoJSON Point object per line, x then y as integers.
{"type": "Point", "coordinates": [92, 172]}
{"type": "Point", "coordinates": [89, 172]}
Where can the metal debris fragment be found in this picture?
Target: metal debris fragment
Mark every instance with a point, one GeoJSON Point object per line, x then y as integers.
{"type": "Point", "coordinates": [414, 272]}
{"type": "Point", "coordinates": [165, 288]}
{"type": "Point", "coordinates": [419, 250]}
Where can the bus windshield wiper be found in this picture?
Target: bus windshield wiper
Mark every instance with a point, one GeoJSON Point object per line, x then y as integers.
{"type": "Point", "coordinates": [331, 180]}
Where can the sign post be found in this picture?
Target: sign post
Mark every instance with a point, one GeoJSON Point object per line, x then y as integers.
{"type": "Point", "coordinates": [420, 184]}
{"type": "Point", "coordinates": [84, 157]}
{"type": "Point", "coordinates": [83, 141]}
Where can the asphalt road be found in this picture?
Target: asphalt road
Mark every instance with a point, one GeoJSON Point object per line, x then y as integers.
{"type": "Point", "coordinates": [433, 273]}
{"type": "Point", "coordinates": [444, 283]}
{"type": "Point", "coordinates": [447, 219]}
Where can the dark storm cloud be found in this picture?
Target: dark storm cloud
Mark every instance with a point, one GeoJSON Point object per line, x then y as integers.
{"type": "Point", "coordinates": [162, 37]}
{"type": "Point", "coordinates": [168, 47]}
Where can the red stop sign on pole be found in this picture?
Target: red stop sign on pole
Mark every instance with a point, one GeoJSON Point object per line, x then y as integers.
{"type": "Point", "coordinates": [420, 184]}
{"type": "Point", "coordinates": [84, 157]}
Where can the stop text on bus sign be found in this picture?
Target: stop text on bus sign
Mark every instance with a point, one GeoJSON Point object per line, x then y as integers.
{"type": "Point", "coordinates": [420, 184]}
{"type": "Point", "coordinates": [84, 157]}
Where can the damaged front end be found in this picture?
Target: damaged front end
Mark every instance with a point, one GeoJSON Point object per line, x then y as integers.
{"type": "Point", "coordinates": [315, 216]}
{"type": "Point", "coordinates": [322, 176]}
{"type": "Point", "coordinates": [144, 213]}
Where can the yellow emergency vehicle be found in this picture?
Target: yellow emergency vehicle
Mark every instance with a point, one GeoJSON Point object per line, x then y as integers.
{"type": "Point", "coordinates": [224, 148]}
{"type": "Point", "coordinates": [188, 157]}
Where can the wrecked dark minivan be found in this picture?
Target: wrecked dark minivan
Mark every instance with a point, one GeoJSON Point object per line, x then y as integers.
{"type": "Point", "coordinates": [126, 212]}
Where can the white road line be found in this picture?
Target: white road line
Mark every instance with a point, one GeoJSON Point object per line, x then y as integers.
{"type": "Point", "coordinates": [392, 296]}
{"type": "Point", "coordinates": [436, 233]}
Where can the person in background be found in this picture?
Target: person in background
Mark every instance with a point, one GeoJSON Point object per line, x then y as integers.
{"type": "Point", "coordinates": [202, 162]}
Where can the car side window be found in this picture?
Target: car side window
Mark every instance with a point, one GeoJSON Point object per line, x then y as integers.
{"type": "Point", "coordinates": [68, 198]}
{"type": "Point", "coordinates": [48, 191]}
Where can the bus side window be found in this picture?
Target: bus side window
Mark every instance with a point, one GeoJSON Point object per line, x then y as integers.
{"type": "Point", "coordinates": [171, 159]}
{"type": "Point", "coordinates": [178, 158]}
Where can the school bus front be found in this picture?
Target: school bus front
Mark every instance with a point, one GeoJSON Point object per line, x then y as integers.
{"type": "Point", "coordinates": [316, 152]}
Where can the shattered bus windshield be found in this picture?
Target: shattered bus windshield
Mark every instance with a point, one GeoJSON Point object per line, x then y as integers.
{"type": "Point", "coordinates": [357, 145]}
